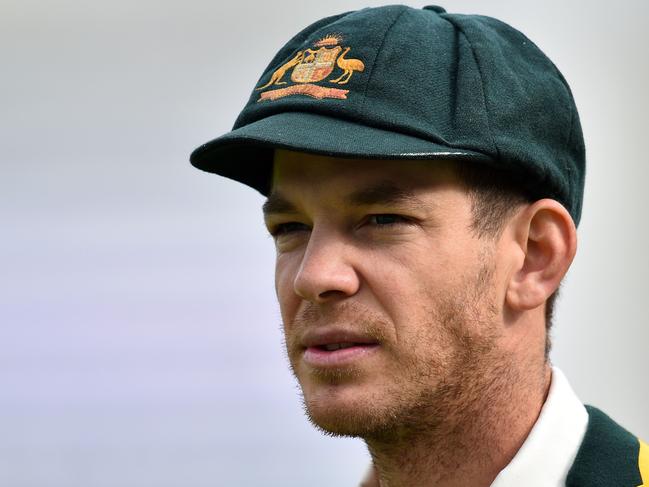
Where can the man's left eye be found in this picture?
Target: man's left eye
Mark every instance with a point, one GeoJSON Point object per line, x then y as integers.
{"type": "Point", "coordinates": [383, 220]}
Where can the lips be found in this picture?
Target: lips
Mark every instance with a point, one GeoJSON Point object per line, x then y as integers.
{"type": "Point", "coordinates": [332, 339]}
{"type": "Point", "coordinates": [331, 347]}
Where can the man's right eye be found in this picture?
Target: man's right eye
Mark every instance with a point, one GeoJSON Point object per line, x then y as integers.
{"type": "Point", "coordinates": [288, 228]}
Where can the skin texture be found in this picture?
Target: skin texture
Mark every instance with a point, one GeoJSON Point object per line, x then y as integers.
{"type": "Point", "coordinates": [454, 376]}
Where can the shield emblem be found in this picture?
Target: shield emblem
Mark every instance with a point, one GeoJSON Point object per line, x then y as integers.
{"type": "Point", "coordinates": [316, 66]}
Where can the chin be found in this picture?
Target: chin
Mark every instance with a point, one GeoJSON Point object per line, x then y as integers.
{"type": "Point", "coordinates": [342, 411]}
{"type": "Point", "coordinates": [339, 421]}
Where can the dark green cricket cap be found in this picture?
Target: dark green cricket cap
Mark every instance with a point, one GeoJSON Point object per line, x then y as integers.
{"type": "Point", "coordinates": [401, 83]}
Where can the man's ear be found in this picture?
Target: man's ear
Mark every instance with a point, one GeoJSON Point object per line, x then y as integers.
{"type": "Point", "coordinates": [547, 237]}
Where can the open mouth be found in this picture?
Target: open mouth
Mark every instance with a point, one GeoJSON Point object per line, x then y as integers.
{"type": "Point", "coordinates": [331, 347]}
{"type": "Point", "coordinates": [336, 347]}
{"type": "Point", "coordinates": [337, 354]}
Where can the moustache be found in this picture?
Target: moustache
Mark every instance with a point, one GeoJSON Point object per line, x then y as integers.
{"type": "Point", "coordinates": [350, 317]}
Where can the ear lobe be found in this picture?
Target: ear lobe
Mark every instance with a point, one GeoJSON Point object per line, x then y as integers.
{"type": "Point", "coordinates": [547, 236]}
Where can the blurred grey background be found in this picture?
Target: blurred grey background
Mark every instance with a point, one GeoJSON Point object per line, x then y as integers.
{"type": "Point", "coordinates": [140, 340]}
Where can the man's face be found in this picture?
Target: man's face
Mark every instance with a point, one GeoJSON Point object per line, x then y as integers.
{"type": "Point", "coordinates": [388, 299]}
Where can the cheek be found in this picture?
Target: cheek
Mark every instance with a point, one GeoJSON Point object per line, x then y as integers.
{"type": "Point", "coordinates": [406, 271]}
{"type": "Point", "coordinates": [398, 281]}
{"type": "Point", "coordinates": [409, 285]}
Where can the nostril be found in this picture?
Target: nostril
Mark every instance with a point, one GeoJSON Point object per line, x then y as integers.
{"type": "Point", "coordinates": [329, 294]}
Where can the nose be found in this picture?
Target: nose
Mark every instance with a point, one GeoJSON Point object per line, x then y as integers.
{"type": "Point", "coordinates": [326, 272]}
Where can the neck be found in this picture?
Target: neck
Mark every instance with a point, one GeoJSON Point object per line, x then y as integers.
{"type": "Point", "coordinates": [471, 446]}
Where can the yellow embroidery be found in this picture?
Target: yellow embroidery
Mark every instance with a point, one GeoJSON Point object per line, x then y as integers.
{"type": "Point", "coordinates": [643, 464]}
{"type": "Point", "coordinates": [329, 40]}
{"type": "Point", "coordinates": [310, 66]}
{"type": "Point", "coordinates": [314, 91]}
{"type": "Point", "coordinates": [277, 76]}
{"type": "Point", "coordinates": [316, 66]}
{"type": "Point", "coordinates": [348, 66]}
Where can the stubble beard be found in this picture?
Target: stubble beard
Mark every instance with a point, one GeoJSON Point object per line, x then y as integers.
{"type": "Point", "coordinates": [429, 389]}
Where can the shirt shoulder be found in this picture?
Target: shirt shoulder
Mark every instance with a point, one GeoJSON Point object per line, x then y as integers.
{"type": "Point", "coordinates": [609, 456]}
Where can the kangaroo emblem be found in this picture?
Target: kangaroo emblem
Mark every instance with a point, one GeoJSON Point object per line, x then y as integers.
{"type": "Point", "coordinates": [277, 76]}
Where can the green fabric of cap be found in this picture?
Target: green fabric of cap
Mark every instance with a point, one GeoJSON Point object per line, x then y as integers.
{"type": "Point", "coordinates": [401, 83]}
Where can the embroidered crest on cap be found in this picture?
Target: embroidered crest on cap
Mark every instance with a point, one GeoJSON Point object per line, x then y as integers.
{"type": "Point", "coordinates": [311, 66]}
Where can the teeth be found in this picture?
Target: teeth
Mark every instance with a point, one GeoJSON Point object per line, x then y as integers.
{"type": "Point", "coordinates": [337, 346]}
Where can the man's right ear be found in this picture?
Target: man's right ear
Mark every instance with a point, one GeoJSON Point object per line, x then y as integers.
{"type": "Point", "coordinates": [547, 238]}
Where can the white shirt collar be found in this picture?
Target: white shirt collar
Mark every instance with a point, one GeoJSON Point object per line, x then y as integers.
{"type": "Point", "coordinates": [551, 447]}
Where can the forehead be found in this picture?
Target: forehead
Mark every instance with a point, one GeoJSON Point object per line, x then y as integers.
{"type": "Point", "coordinates": [295, 171]}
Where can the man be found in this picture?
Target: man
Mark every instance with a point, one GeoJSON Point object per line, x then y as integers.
{"type": "Point", "coordinates": [424, 174]}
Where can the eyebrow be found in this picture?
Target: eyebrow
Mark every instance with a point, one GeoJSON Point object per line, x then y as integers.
{"type": "Point", "coordinates": [383, 193]}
